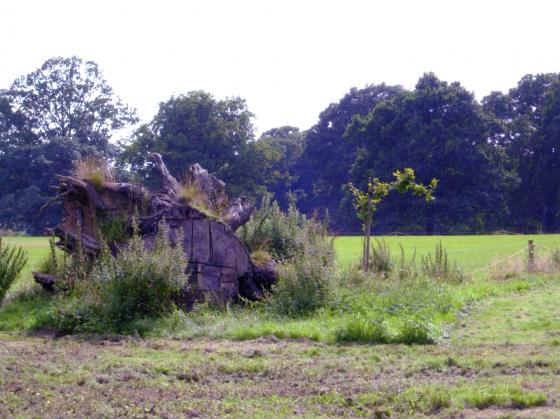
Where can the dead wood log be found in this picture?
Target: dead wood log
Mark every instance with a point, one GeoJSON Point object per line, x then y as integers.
{"type": "Point", "coordinates": [218, 261]}
{"type": "Point", "coordinates": [169, 183]}
{"type": "Point", "coordinates": [238, 213]}
{"type": "Point", "coordinates": [45, 280]}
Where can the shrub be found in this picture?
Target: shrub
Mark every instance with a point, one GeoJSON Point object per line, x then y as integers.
{"type": "Point", "coordinates": [136, 284]}
{"type": "Point", "coordinates": [306, 272]}
{"type": "Point", "coordinates": [68, 269]}
{"type": "Point", "coordinates": [304, 284]}
{"type": "Point", "coordinates": [283, 235]}
{"type": "Point", "coordinates": [114, 230]}
{"type": "Point", "coordinates": [139, 282]}
{"type": "Point", "coordinates": [12, 261]}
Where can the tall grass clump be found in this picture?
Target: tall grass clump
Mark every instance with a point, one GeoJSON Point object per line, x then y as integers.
{"type": "Point", "coordinates": [12, 261]}
{"type": "Point", "coordinates": [69, 270]}
{"type": "Point", "coordinates": [191, 194]}
{"type": "Point", "coordinates": [438, 266]}
{"type": "Point", "coordinates": [304, 284]}
{"type": "Point", "coordinates": [140, 282]}
{"type": "Point", "coordinates": [284, 235]}
{"type": "Point", "coordinates": [94, 169]}
{"type": "Point", "coordinates": [380, 260]}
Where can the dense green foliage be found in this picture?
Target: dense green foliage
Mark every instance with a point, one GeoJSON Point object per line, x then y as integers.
{"type": "Point", "coordinates": [384, 306]}
{"type": "Point", "coordinates": [306, 270]}
{"type": "Point", "coordinates": [496, 159]}
{"type": "Point", "coordinates": [116, 293]}
{"type": "Point", "coordinates": [50, 118]}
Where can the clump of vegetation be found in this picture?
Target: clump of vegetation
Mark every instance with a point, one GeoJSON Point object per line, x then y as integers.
{"type": "Point", "coordinates": [12, 261]}
{"type": "Point", "coordinates": [196, 198]}
{"type": "Point", "coordinates": [136, 284]}
{"type": "Point", "coordinates": [380, 261]}
{"type": "Point", "coordinates": [437, 266]}
{"type": "Point", "coordinates": [68, 269]}
{"type": "Point", "coordinates": [114, 230]}
{"type": "Point", "coordinates": [283, 235]}
{"type": "Point", "coordinates": [362, 329]}
{"type": "Point", "coordinates": [94, 169]}
{"type": "Point", "coordinates": [406, 269]}
{"type": "Point", "coordinates": [261, 257]}
{"type": "Point", "coordinates": [306, 272]}
{"type": "Point", "coordinates": [304, 283]}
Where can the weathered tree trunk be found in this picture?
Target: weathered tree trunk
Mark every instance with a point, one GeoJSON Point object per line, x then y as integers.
{"type": "Point", "coordinates": [218, 262]}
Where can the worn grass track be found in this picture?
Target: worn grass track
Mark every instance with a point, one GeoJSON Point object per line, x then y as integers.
{"type": "Point", "coordinates": [502, 359]}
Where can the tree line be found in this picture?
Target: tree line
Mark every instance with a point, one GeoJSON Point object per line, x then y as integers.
{"type": "Point", "coordinates": [496, 160]}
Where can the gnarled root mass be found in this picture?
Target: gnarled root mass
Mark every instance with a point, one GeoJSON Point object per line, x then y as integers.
{"type": "Point", "coordinates": [100, 211]}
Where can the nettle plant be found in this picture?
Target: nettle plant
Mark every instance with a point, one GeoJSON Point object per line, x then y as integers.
{"type": "Point", "coordinates": [366, 201]}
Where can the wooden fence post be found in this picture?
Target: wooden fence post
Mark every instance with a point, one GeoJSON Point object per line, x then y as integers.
{"type": "Point", "coordinates": [531, 256]}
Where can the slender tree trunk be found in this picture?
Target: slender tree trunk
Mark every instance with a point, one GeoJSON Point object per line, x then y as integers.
{"type": "Point", "coordinates": [367, 232]}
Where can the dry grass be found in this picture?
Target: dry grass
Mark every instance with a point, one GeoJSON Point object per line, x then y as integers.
{"type": "Point", "coordinates": [94, 169]}
{"type": "Point", "coordinates": [548, 261]}
{"type": "Point", "coordinates": [261, 257]}
{"type": "Point", "coordinates": [196, 198]}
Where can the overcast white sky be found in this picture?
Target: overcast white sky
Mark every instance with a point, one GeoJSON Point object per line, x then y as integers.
{"type": "Point", "coordinates": [289, 59]}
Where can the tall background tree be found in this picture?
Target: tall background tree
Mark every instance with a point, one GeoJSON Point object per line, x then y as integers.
{"type": "Point", "coordinates": [441, 131]}
{"type": "Point", "coordinates": [323, 169]}
{"type": "Point", "coordinates": [196, 128]}
{"type": "Point", "coordinates": [527, 125]}
{"type": "Point", "coordinates": [49, 118]}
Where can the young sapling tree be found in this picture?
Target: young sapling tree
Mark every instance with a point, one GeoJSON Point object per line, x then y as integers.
{"type": "Point", "coordinates": [366, 201]}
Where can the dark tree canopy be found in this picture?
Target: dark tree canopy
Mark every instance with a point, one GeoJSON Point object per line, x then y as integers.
{"type": "Point", "coordinates": [327, 155]}
{"type": "Point", "coordinates": [496, 160]}
{"type": "Point", "coordinates": [65, 97]}
{"type": "Point", "coordinates": [441, 131]}
{"type": "Point", "coordinates": [531, 125]}
{"type": "Point", "coordinates": [195, 128]}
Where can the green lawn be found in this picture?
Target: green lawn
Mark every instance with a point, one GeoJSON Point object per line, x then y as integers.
{"type": "Point", "coordinates": [510, 369]}
{"type": "Point", "coordinates": [496, 356]}
{"type": "Point", "coordinates": [470, 252]}
{"type": "Point", "coordinates": [37, 249]}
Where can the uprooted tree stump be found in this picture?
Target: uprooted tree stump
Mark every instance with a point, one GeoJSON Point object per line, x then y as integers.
{"type": "Point", "coordinates": [96, 211]}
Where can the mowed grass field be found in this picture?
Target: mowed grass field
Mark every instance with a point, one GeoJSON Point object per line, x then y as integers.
{"type": "Point", "coordinates": [470, 252]}
{"type": "Point", "coordinates": [37, 248]}
{"type": "Point", "coordinates": [499, 358]}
